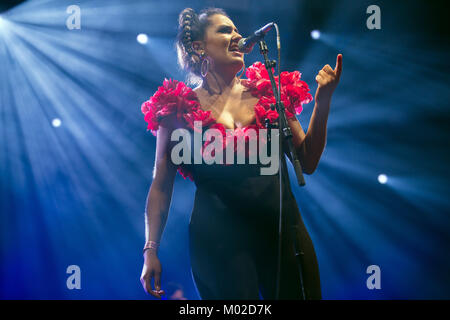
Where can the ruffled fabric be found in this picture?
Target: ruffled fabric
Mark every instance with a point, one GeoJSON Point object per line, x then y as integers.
{"type": "Point", "coordinates": [294, 92]}
{"type": "Point", "coordinates": [174, 97]}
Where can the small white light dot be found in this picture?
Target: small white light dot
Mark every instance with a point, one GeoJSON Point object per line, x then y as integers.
{"type": "Point", "coordinates": [382, 178]}
{"type": "Point", "coordinates": [56, 122]}
{"type": "Point", "coordinates": [315, 34]}
{"type": "Point", "coordinates": [142, 38]}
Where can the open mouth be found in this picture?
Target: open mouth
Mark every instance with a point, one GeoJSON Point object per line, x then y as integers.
{"type": "Point", "coordinates": [234, 49]}
{"type": "Point", "coordinates": [236, 52]}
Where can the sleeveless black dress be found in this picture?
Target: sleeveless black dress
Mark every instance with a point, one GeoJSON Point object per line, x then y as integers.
{"type": "Point", "coordinates": [233, 230]}
{"type": "Point", "coordinates": [233, 236]}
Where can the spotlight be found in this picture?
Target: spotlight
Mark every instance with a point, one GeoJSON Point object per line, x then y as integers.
{"type": "Point", "coordinates": [315, 34]}
{"type": "Point", "coordinates": [56, 122]}
{"type": "Point", "coordinates": [382, 178]}
{"type": "Point", "coordinates": [142, 38]}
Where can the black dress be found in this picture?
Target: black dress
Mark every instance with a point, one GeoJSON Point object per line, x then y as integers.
{"type": "Point", "coordinates": [233, 230]}
{"type": "Point", "coordinates": [233, 236]}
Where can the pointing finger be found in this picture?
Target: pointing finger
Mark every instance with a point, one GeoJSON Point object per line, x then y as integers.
{"type": "Point", "coordinates": [338, 68]}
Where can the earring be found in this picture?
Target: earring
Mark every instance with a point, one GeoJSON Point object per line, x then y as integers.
{"type": "Point", "coordinates": [204, 68]}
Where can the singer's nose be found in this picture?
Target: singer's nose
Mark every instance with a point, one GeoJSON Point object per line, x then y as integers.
{"type": "Point", "coordinates": [237, 36]}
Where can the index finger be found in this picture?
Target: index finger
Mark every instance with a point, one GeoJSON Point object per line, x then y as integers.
{"type": "Point", "coordinates": [148, 288]}
{"type": "Point", "coordinates": [157, 284]}
{"type": "Point", "coordinates": [338, 68]}
{"type": "Point", "coordinates": [157, 294]}
{"type": "Point", "coordinates": [155, 291]}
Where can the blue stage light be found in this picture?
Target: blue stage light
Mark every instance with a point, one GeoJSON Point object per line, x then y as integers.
{"type": "Point", "coordinates": [382, 178]}
{"type": "Point", "coordinates": [315, 34]}
{"type": "Point", "coordinates": [142, 38]}
{"type": "Point", "coordinates": [56, 122]}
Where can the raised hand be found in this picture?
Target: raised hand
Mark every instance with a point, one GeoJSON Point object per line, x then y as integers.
{"type": "Point", "coordinates": [327, 80]}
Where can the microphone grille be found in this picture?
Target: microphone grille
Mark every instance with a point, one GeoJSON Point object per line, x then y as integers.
{"type": "Point", "coordinates": [241, 43]}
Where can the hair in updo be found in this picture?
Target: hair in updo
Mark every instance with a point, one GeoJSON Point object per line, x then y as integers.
{"type": "Point", "coordinates": [192, 27]}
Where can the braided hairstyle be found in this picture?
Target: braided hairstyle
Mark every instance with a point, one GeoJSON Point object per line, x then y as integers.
{"type": "Point", "coordinates": [192, 27]}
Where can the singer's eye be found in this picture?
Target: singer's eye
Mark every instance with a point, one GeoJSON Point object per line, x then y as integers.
{"type": "Point", "coordinates": [226, 29]}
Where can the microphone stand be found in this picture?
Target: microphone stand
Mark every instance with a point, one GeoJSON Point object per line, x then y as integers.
{"type": "Point", "coordinates": [284, 136]}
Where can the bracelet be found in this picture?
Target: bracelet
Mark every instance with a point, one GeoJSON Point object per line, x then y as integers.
{"type": "Point", "coordinates": [151, 245]}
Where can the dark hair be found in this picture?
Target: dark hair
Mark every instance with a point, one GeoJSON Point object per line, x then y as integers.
{"type": "Point", "coordinates": [192, 27]}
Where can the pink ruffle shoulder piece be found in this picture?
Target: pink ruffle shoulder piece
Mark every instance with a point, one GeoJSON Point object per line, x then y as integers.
{"type": "Point", "coordinates": [294, 92]}
{"type": "Point", "coordinates": [173, 97]}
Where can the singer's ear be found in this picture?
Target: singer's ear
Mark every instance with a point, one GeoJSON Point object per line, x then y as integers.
{"type": "Point", "coordinates": [198, 46]}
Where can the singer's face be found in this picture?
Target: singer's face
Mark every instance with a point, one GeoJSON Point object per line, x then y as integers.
{"type": "Point", "coordinates": [221, 39]}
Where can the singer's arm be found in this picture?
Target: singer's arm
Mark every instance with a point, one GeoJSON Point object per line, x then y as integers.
{"type": "Point", "coordinates": [310, 146]}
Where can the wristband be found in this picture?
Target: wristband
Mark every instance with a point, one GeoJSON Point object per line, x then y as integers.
{"type": "Point", "coordinates": [153, 245]}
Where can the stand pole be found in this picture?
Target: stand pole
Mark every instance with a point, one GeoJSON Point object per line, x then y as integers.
{"type": "Point", "coordinates": [286, 136]}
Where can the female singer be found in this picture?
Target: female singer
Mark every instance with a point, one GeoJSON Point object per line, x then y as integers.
{"type": "Point", "coordinates": [233, 230]}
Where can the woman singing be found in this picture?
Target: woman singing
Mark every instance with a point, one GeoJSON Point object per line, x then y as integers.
{"type": "Point", "coordinates": [233, 230]}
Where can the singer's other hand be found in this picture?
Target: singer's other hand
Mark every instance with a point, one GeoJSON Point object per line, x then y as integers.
{"type": "Point", "coordinates": [327, 80]}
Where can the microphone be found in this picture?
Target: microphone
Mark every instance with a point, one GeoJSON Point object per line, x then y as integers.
{"type": "Point", "coordinates": [246, 44]}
